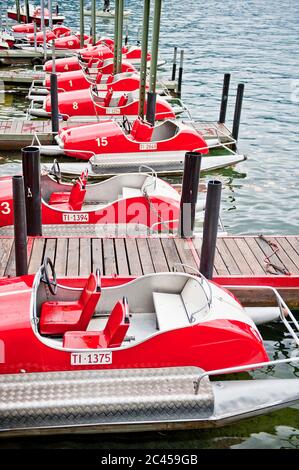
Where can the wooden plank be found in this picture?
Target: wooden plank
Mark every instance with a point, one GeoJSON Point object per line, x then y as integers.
{"type": "Point", "coordinates": [121, 257]}
{"type": "Point", "coordinates": [133, 257]}
{"type": "Point", "coordinates": [145, 256]}
{"type": "Point", "coordinates": [185, 253]}
{"type": "Point", "coordinates": [37, 255]}
{"type": "Point", "coordinates": [157, 254]}
{"type": "Point", "coordinates": [256, 268]}
{"type": "Point", "coordinates": [270, 253]}
{"type": "Point", "coordinates": [10, 269]}
{"type": "Point", "coordinates": [171, 254]}
{"type": "Point", "coordinates": [73, 257]}
{"type": "Point", "coordinates": [227, 257]}
{"type": "Point", "coordinates": [257, 251]}
{"type": "Point", "coordinates": [219, 265]}
{"type": "Point", "coordinates": [85, 257]}
{"type": "Point", "coordinates": [286, 254]}
{"type": "Point", "coordinates": [238, 256]}
{"type": "Point", "coordinates": [291, 245]}
{"type": "Point", "coordinates": [5, 250]}
{"type": "Point", "coordinates": [96, 255]}
{"type": "Point", "coordinates": [61, 256]}
{"type": "Point", "coordinates": [50, 249]}
{"type": "Point", "coordinates": [109, 257]}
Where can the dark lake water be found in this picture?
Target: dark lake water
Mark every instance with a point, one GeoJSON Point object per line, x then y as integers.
{"type": "Point", "coordinates": [257, 42]}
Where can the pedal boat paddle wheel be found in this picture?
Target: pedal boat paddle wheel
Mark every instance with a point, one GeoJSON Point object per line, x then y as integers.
{"type": "Point", "coordinates": [115, 354]}
{"type": "Point", "coordinates": [139, 200]}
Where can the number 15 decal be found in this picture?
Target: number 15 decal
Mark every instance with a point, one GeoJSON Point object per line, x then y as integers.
{"type": "Point", "coordinates": [102, 141]}
{"type": "Point", "coordinates": [5, 208]}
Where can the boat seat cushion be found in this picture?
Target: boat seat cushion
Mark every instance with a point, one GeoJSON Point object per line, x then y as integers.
{"type": "Point", "coordinates": [58, 317]}
{"type": "Point", "coordinates": [170, 311]}
{"type": "Point", "coordinates": [73, 202]}
{"type": "Point", "coordinates": [128, 192]}
{"type": "Point", "coordinates": [59, 198]}
{"type": "Point", "coordinates": [112, 335]}
{"type": "Point", "coordinates": [81, 339]}
{"type": "Point", "coordinates": [141, 131]}
{"type": "Point", "coordinates": [178, 310]}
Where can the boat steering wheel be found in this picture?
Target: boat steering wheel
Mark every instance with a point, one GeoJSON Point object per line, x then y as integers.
{"type": "Point", "coordinates": [126, 125]}
{"type": "Point", "coordinates": [46, 279]}
{"type": "Point", "coordinates": [55, 171]}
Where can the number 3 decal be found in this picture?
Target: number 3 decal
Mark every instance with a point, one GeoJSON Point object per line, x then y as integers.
{"type": "Point", "coordinates": [5, 208]}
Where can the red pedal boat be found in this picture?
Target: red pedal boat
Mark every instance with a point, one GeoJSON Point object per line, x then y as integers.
{"type": "Point", "coordinates": [80, 80]}
{"type": "Point", "coordinates": [136, 198]}
{"type": "Point", "coordinates": [111, 137]}
{"type": "Point", "coordinates": [105, 65]}
{"type": "Point", "coordinates": [23, 28]}
{"type": "Point", "coordinates": [156, 320]}
{"type": "Point", "coordinates": [95, 102]}
{"type": "Point", "coordinates": [51, 34]}
{"type": "Point", "coordinates": [34, 15]}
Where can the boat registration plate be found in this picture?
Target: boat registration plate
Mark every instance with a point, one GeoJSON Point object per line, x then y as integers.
{"type": "Point", "coordinates": [112, 111]}
{"type": "Point", "coordinates": [75, 217]}
{"type": "Point", "coordinates": [91, 358]}
{"type": "Point", "coordinates": [149, 146]}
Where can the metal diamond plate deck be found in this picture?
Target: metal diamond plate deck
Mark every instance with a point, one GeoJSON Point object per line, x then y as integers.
{"type": "Point", "coordinates": [62, 399]}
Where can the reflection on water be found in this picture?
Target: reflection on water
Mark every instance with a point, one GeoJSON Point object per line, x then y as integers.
{"type": "Point", "coordinates": [256, 43]}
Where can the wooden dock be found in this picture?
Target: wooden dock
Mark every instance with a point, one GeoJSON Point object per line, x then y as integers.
{"type": "Point", "coordinates": [235, 256]}
{"type": "Point", "coordinates": [20, 77]}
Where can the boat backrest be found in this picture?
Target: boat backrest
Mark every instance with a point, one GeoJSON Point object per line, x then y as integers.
{"type": "Point", "coordinates": [165, 130]}
{"type": "Point", "coordinates": [108, 97]}
{"type": "Point", "coordinates": [77, 195]}
{"type": "Point", "coordinates": [193, 302]}
{"type": "Point", "coordinates": [99, 77]}
{"type": "Point", "coordinates": [123, 100]}
{"type": "Point", "coordinates": [141, 131]}
{"type": "Point", "coordinates": [88, 300]}
{"type": "Point", "coordinates": [117, 324]}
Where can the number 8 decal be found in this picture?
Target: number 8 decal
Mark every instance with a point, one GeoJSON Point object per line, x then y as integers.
{"type": "Point", "coordinates": [75, 105]}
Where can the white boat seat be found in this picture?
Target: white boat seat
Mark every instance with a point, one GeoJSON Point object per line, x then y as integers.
{"type": "Point", "coordinates": [179, 310]}
{"type": "Point", "coordinates": [170, 311]}
{"type": "Point", "coordinates": [130, 192]}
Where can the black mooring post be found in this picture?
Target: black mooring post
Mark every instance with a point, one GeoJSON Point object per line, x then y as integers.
{"type": "Point", "coordinates": [238, 110]}
{"type": "Point", "coordinates": [54, 105]}
{"type": "Point", "coordinates": [224, 98]}
{"type": "Point", "coordinates": [31, 173]}
{"type": "Point", "coordinates": [127, 35]}
{"type": "Point", "coordinates": [189, 193]}
{"type": "Point", "coordinates": [57, 9]}
{"type": "Point", "coordinates": [18, 11]}
{"type": "Point", "coordinates": [180, 79]}
{"type": "Point", "coordinates": [210, 228]}
{"type": "Point", "coordinates": [175, 51]}
{"type": "Point", "coordinates": [20, 226]}
{"type": "Point", "coordinates": [27, 11]}
{"type": "Point", "coordinates": [151, 107]}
